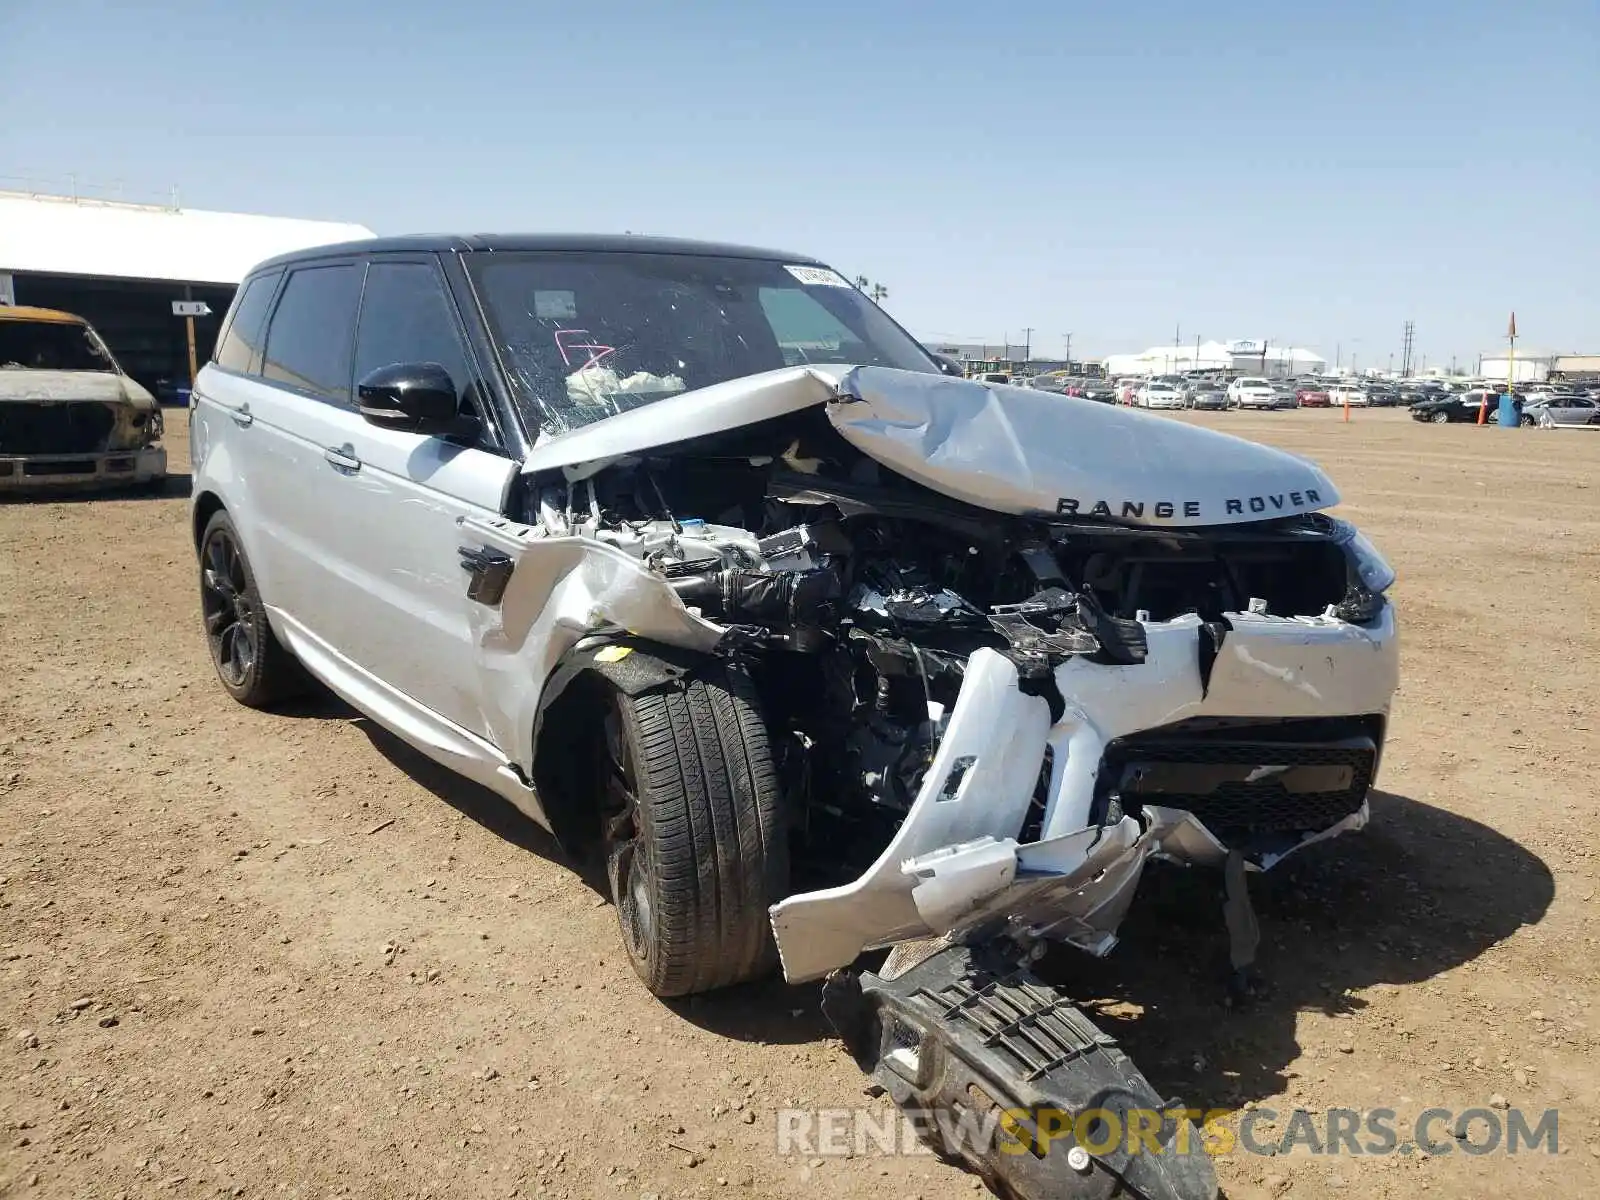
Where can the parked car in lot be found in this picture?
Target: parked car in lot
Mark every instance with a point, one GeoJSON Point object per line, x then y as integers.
{"type": "Point", "coordinates": [1252, 391]}
{"type": "Point", "coordinates": [1353, 394]}
{"type": "Point", "coordinates": [1463, 406]}
{"type": "Point", "coordinates": [1159, 395]}
{"type": "Point", "coordinates": [69, 415]}
{"type": "Point", "coordinates": [1312, 395]}
{"type": "Point", "coordinates": [1412, 390]}
{"type": "Point", "coordinates": [1383, 395]}
{"type": "Point", "coordinates": [1558, 409]}
{"type": "Point", "coordinates": [1099, 390]}
{"type": "Point", "coordinates": [648, 537]}
{"type": "Point", "coordinates": [1206, 395]}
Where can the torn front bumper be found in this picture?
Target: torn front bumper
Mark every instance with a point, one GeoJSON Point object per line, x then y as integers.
{"type": "Point", "coordinates": [109, 468]}
{"type": "Point", "coordinates": [956, 865]}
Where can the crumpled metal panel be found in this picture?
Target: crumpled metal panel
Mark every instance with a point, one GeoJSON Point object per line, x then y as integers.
{"type": "Point", "coordinates": [1018, 450]}
{"type": "Point", "coordinates": [684, 416]}
{"type": "Point", "coordinates": [955, 869]}
{"type": "Point", "coordinates": [563, 590]}
{"type": "Point", "coordinates": [1007, 449]}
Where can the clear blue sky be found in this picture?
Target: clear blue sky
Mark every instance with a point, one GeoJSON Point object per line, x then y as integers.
{"type": "Point", "coordinates": [1315, 173]}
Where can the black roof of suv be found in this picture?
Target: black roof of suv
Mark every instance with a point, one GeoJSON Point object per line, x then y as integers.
{"type": "Point", "coordinates": [597, 243]}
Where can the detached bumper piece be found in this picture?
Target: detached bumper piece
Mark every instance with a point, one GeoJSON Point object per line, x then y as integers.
{"type": "Point", "coordinates": [116, 467]}
{"type": "Point", "coordinates": [1003, 1074]}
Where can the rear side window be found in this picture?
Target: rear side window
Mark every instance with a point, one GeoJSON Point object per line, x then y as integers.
{"type": "Point", "coordinates": [308, 342]}
{"type": "Point", "coordinates": [240, 347]}
{"type": "Point", "coordinates": [406, 318]}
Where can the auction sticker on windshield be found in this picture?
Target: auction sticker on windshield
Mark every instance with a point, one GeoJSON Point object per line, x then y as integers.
{"type": "Point", "coordinates": [817, 276]}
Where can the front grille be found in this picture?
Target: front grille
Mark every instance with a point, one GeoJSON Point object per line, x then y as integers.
{"type": "Point", "coordinates": [82, 428]}
{"type": "Point", "coordinates": [1239, 787]}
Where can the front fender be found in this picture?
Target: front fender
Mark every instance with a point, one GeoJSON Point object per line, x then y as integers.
{"type": "Point", "coordinates": [218, 479]}
{"type": "Point", "coordinates": [565, 591]}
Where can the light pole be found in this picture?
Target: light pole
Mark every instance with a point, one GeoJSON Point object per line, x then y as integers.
{"type": "Point", "coordinates": [1069, 349]}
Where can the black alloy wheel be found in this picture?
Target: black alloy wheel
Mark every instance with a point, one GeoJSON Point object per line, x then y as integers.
{"type": "Point", "coordinates": [627, 861]}
{"type": "Point", "coordinates": [251, 664]}
{"type": "Point", "coordinates": [225, 602]}
{"type": "Point", "coordinates": [696, 848]}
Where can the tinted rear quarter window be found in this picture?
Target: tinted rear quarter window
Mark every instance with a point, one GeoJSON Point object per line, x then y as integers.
{"type": "Point", "coordinates": [308, 342]}
{"type": "Point", "coordinates": [240, 347]}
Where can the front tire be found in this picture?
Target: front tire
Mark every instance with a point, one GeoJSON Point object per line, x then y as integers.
{"type": "Point", "coordinates": [1441, 418]}
{"type": "Point", "coordinates": [251, 663]}
{"type": "Point", "coordinates": [697, 850]}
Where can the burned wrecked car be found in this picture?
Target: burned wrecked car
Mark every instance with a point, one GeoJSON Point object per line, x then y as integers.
{"type": "Point", "coordinates": [68, 414]}
{"type": "Point", "coordinates": [695, 556]}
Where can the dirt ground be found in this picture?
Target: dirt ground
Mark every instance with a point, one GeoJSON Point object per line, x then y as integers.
{"type": "Point", "coordinates": [281, 954]}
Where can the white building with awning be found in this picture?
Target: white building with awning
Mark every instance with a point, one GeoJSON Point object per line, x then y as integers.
{"type": "Point", "coordinates": [123, 265]}
{"type": "Point", "coordinates": [1242, 356]}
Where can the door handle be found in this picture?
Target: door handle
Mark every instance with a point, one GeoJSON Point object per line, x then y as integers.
{"type": "Point", "coordinates": [342, 457]}
{"type": "Point", "coordinates": [241, 416]}
{"type": "Point", "coordinates": [490, 571]}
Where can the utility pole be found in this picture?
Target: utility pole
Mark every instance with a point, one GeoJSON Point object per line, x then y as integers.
{"type": "Point", "coordinates": [1337, 360]}
{"type": "Point", "coordinates": [1027, 343]}
{"type": "Point", "coordinates": [1406, 348]}
{"type": "Point", "coordinates": [1069, 349]}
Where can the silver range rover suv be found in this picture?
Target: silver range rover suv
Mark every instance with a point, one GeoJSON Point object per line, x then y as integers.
{"type": "Point", "coordinates": [696, 557]}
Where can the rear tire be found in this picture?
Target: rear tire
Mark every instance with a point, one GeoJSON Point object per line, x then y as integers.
{"type": "Point", "coordinates": [697, 850]}
{"type": "Point", "coordinates": [251, 663]}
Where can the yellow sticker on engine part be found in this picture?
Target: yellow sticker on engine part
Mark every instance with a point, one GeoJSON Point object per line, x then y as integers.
{"type": "Point", "coordinates": [613, 654]}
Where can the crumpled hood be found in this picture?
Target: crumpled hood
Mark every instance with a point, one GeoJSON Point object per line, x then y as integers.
{"type": "Point", "coordinates": [107, 387]}
{"type": "Point", "coordinates": [1016, 450]}
{"type": "Point", "coordinates": [1008, 449]}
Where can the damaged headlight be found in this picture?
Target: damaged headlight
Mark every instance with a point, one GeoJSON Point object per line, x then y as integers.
{"type": "Point", "coordinates": [1370, 576]}
{"type": "Point", "coordinates": [1371, 567]}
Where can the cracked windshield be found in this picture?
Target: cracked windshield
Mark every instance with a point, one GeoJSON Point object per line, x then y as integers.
{"type": "Point", "coordinates": [585, 337]}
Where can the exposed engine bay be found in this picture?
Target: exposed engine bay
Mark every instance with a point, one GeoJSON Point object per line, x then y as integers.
{"type": "Point", "coordinates": [869, 605]}
{"type": "Point", "coordinates": [1008, 647]}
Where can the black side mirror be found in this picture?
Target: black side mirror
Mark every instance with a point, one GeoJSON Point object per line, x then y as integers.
{"type": "Point", "coordinates": [415, 397]}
